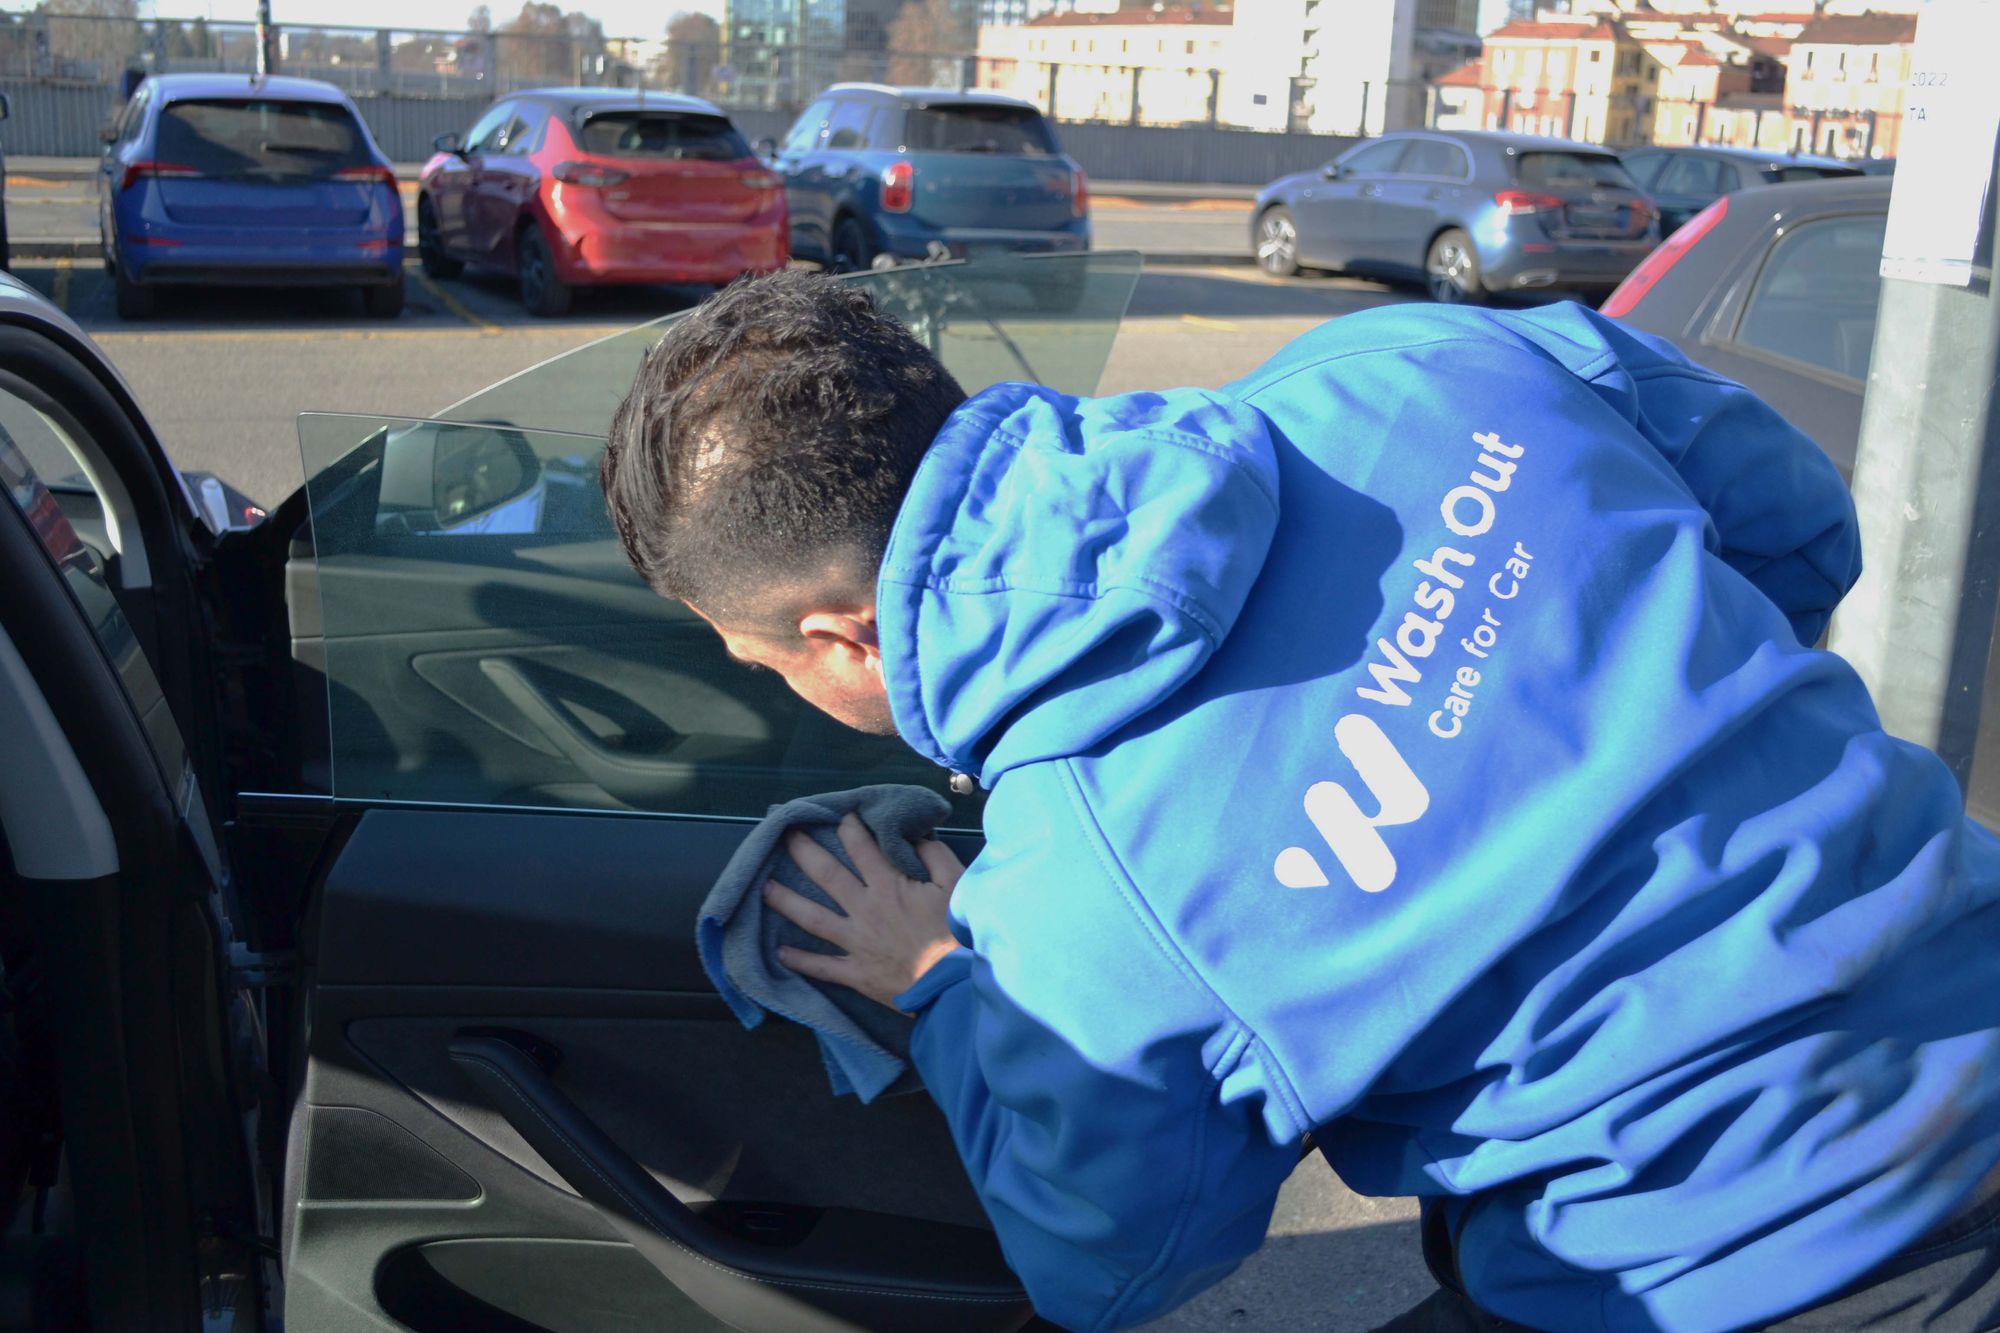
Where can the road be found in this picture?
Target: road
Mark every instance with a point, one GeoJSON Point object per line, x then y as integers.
{"type": "Point", "coordinates": [223, 374]}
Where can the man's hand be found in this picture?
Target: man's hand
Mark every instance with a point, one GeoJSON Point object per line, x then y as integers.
{"type": "Point", "coordinates": [895, 928]}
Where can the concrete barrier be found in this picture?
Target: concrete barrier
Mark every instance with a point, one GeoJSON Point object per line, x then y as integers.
{"type": "Point", "coordinates": [55, 119]}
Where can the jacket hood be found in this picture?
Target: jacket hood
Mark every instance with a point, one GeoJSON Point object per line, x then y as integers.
{"type": "Point", "coordinates": [1061, 565]}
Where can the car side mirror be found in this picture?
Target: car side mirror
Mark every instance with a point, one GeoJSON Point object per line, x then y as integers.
{"type": "Point", "coordinates": [449, 142]}
{"type": "Point", "coordinates": [765, 148]}
{"type": "Point", "coordinates": [448, 478]}
{"type": "Point", "coordinates": [1333, 171]}
{"type": "Point", "coordinates": [107, 136]}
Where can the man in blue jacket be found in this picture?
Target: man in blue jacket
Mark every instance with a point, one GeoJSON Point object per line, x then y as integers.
{"type": "Point", "coordinates": [1418, 744]}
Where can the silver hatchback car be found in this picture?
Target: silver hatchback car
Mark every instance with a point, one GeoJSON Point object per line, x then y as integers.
{"type": "Point", "coordinates": [1473, 214]}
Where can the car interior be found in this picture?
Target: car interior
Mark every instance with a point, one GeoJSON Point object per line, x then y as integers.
{"type": "Point", "coordinates": [442, 1053]}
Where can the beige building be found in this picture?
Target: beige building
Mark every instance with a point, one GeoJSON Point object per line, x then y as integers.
{"type": "Point", "coordinates": [1146, 66]}
{"type": "Point", "coordinates": [1846, 84]}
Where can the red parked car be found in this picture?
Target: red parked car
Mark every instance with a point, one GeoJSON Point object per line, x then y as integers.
{"type": "Point", "coordinates": [573, 187]}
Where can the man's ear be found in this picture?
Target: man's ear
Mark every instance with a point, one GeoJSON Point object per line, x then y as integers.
{"type": "Point", "coordinates": [848, 632]}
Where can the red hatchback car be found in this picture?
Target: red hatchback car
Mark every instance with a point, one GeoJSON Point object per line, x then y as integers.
{"type": "Point", "coordinates": [571, 187]}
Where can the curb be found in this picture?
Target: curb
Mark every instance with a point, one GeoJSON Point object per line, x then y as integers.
{"type": "Point", "coordinates": [44, 248]}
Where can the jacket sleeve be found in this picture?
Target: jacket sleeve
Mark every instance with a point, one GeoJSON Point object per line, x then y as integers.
{"type": "Point", "coordinates": [1096, 1092]}
{"type": "Point", "coordinates": [1780, 507]}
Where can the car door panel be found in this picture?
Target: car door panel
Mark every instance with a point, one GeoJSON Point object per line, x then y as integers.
{"type": "Point", "coordinates": [518, 1081]}
{"type": "Point", "coordinates": [434, 925]}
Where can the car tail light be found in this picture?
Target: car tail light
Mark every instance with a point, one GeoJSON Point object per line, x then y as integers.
{"type": "Point", "coordinates": [157, 242]}
{"type": "Point", "coordinates": [375, 174]}
{"type": "Point", "coordinates": [137, 171]}
{"type": "Point", "coordinates": [1526, 201]}
{"type": "Point", "coordinates": [1079, 194]}
{"type": "Point", "coordinates": [759, 180]}
{"type": "Point", "coordinates": [899, 187]}
{"type": "Point", "coordinates": [380, 245]}
{"type": "Point", "coordinates": [590, 174]}
{"type": "Point", "coordinates": [1633, 290]}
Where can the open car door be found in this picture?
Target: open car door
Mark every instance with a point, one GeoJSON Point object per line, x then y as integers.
{"type": "Point", "coordinates": [522, 1106]}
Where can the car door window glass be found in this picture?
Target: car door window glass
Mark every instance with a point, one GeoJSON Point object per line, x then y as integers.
{"type": "Point", "coordinates": [486, 130]}
{"type": "Point", "coordinates": [1815, 300]}
{"type": "Point", "coordinates": [1377, 159]}
{"type": "Point", "coordinates": [885, 129]}
{"type": "Point", "coordinates": [847, 127]}
{"type": "Point", "coordinates": [1645, 167]}
{"type": "Point", "coordinates": [1701, 177]}
{"type": "Point", "coordinates": [807, 131]}
{"type": "Point", "coordinates": [483, 640]}
{"type": "Point", "coordinates": [1434, 157]}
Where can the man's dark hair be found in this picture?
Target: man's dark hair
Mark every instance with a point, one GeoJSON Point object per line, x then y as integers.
{"type": "Point", "coordinates": [770, 437]}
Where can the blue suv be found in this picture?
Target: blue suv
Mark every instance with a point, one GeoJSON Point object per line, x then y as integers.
{"type": "Point", "coordinates": [875, 173]}
{"type": "Point", "coordinates": [214, 178]}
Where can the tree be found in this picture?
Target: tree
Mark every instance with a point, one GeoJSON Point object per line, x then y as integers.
{"type": "Point", "coordinates": [536, 47]}
{"type": "Point", "coordinates": [694, 48]}
{"type": "Point", "coordinates": [927, 42]}
{"type": "Point", "coordinates": [481, 20]}
{"type": "Point", "coordinates": [92, 39]}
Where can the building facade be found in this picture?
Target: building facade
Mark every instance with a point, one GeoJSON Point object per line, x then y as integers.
{"type": "Point", "coordinates": [1846, 85]}
{"type": "Point", "coordinates": [1142, 66]}
{"type": "Point", "coordinates": [1572, 77]}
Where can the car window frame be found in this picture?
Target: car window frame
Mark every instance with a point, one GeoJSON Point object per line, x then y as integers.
{"type": "Point", "coordinates": [1417, 141]}
{"type": "Point", "coordinates": [501, 113]}
{"type": "Point", "coordinates": [1346, 163]}
{"type": "Point", "coordinates": [852, 106]}
{"type": "Point", "coordinates": [1656, 157]}
{"type": "Point", "coordinates": [823, 108]}
{"type": "Point", "coordinates": [1723, 327]}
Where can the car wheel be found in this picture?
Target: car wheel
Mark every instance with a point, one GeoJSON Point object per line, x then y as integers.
{"type": "Point", "coordinates": [1451, 272]}
{"type": "Point", "coordinates": [430, 245]}
{"type": "Point", "coordinates": [135, 301]}
{"type": "Point", "coordinates": [1278, 243]}
{"type": "Point", "coordinates": [543, 293]}
{"type": "Point", "coordinates": [852, 250]}
{"type": "Point", "coordinates": [384, 302]}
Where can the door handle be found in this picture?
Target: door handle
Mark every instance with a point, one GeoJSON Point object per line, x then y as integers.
{"type": "Point", "coordinates": [628, 777]}
{"type": "Point", "coordinates": [846, 1271]}
{"type": "Point", "coordinates": [1436, 192]}
{"type": "Point", "coordinates": [1370, 191]}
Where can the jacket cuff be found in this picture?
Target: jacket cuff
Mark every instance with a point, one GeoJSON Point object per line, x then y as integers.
{"type": "Point", "coordinates": [945, 973]}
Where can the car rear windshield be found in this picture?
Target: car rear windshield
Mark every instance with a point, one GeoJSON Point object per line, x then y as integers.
{"type": "Point", "coordinates": [662, 134]}
{"type": "Point", "coordinates": [1572, 171]}
{"type": "Point", "coordinates": [260, 137]}
{"type": "Point", "coordinates": [1782, 175]}
{"type": "Point", "coordinates": [973, 127]}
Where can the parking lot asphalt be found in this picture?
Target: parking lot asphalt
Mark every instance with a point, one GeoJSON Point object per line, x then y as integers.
{"type": "Point", "coordinates": [222, 374]}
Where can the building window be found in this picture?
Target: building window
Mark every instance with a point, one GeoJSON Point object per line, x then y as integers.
{"type": "Point", "coordinates": [1596, 55]}
{"type": "Point", "coordinates": [1190, 48]}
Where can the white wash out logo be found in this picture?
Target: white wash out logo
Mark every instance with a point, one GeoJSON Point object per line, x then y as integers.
{"type": "Point", "coordinates": [1400, 798]}
{"type": "Point", "coordinates": [1394, 674]}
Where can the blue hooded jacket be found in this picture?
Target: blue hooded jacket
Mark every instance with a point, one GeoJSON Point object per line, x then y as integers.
{"type": "Point", "coordinates": [1419, 743]}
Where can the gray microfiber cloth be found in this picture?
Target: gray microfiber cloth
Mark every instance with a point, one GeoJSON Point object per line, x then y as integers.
{"type": "Point", "coordinates": [866, 1046]}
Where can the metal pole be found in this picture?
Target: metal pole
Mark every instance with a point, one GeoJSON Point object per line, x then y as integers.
{"type": "Point", "coordinates": [267, 57]}
{"type": "Point", "coordinates": [1919, 626]}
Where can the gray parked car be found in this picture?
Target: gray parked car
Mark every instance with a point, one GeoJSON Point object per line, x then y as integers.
{"type": "Point", "coordinates": [1473, 214]}
{"type": "Point", "coordinates": [1777, 288]}
{"type": "Point", "coordinates": [1683, 181]}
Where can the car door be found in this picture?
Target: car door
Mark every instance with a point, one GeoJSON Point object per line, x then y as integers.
{"type": "Point", "coordinates": [451, 186]}
{"type": "Point", "coordinates": [501, 184]}
{"type": "Point", "coordinates": [1338, 220]}
{"type": "Point", "coordinates": [799, 162]}
{"type": "Point", "coordinates": [522, 1105]}
{"type": "Point", "coordinates": [1430, 189]}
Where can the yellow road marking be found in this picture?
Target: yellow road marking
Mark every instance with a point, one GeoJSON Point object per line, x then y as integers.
{"type": "Point", "coordinates": [42, 182]}
{"type": "Point", "coordinates": [1173, 206]}
{"type": "Point", "coordinates": [1219, 325]}
{"type": "Point", "coordinates": [59, 287]}
{"type": "Point", "coordinates": [452, 303]}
